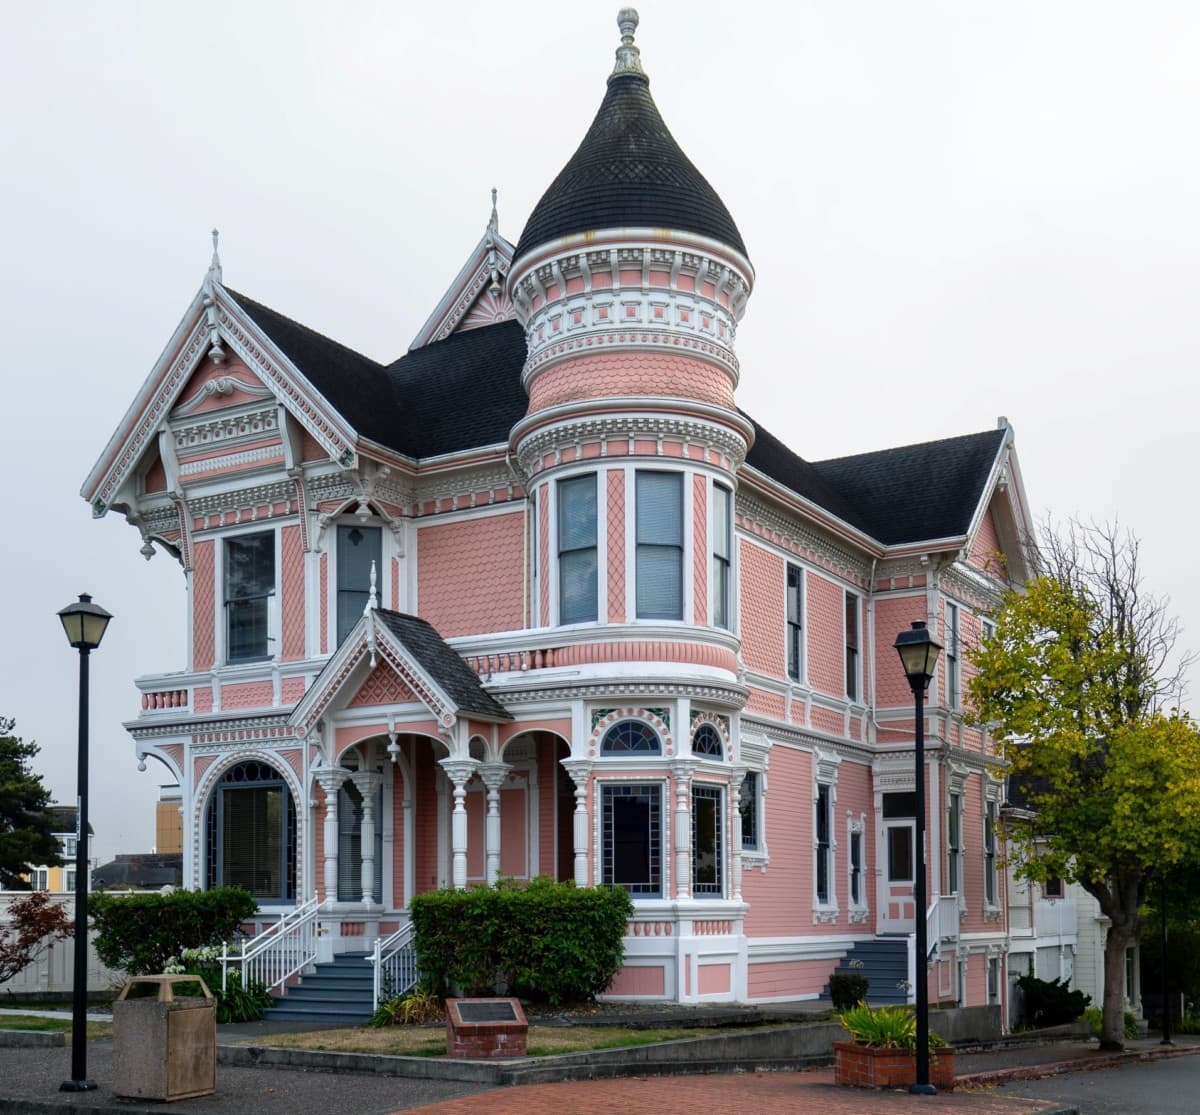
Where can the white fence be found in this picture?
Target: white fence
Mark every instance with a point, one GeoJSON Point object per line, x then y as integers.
{"type": "Point", "coordinates": [53, 973]}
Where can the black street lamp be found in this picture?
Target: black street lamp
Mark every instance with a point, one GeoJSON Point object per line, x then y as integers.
{"type": "Point", "coordinates": [1166, 1001]}
{"type": "Point", "coordinates": [84, 623]}
{"type": "Point", "coordinates": [919, 651]}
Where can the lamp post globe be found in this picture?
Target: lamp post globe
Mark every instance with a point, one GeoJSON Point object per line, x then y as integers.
{"type": "Point", "coordinates": [84, 623]}
{"type": "Point", "coordinates": [919, 651]}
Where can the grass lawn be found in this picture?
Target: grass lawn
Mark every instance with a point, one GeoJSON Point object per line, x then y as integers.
{"type": "Point", "coordinates": [33, 1022]}
{"type": "Point", "coordinates": [427, 1041]}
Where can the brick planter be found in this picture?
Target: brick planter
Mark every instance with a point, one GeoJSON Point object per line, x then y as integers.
{"type": "Point", "coordinates": [870, 1066]}
{"type": "Point", "coordinates": [483, 1029]}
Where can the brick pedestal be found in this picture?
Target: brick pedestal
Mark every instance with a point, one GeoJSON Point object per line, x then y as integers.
{"type": "Point", "coordinates": [868, 1066]}
{"type": "Point", "coordinates": [484, 1029]}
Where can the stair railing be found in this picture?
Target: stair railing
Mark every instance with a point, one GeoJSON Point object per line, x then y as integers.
{"type": "Point", "coordinates": [279, 952]}
{"type": "Point", "coordinates": [395, 963]}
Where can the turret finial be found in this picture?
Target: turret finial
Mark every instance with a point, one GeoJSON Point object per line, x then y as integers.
{"type": "Point", "coordinates": [629, 58]}
{"type": "Point", "coordinates": [214, 268]}
{"type": "Point", "coordinates": [494, 219]}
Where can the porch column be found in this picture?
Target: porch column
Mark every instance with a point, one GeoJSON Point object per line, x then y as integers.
{"type": "Point", "coordinates": [367, 783]}
{"type": "Point", "coordinates": [459, 772]}
{"type": "Point", "coordinates": [682, 775]}
{"type": "Point", "coordinates": [736, 781]}
{"type": "Point", "coordinates": [330, 780]}
{"type": "Point", "coordinates": [493, 775]}
{"type": "Point", "coordinates": [579, 771]}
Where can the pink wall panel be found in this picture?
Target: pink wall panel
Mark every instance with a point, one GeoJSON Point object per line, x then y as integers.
{"type": "Point", "coordinates": [893, 615]}
{"type": "Point", "coordinates": [425, 811]}
{"type": "Point", "coordinates": [476, 808]}
{"type": "Point", "coordinates": [470, 576]}
{"type": "Point", "coordinates": [291, 690]}
{"type": "Point", "coordinates": [156, 476]}
{"type": "Point", "coordinates": [826, 634]}
{"type": "Point", "coordinates": [203, 604]}
{"type": "Point", "coordinates": [382, 687]}
{"type": "Point", "coordinates": [514, 856]}
{"type": "Point", "coordinates": [985, 549]}
{"type": "Point", "coordinates": [631, 982]}
{"type": "Point", "coordinates": [789, 978]}
{"type": "Point", "coordinates": [292, 587]}
{"type": "Point", "coordinates": [700, 548]}
{"type": "Point", "coordinates": [624, 374]}
{"type": "Point", "coordinates": [781, 897]}
{"type": "Point", "coordinates": [972, 824]}
{"type": "Point", "coordinates": [616, 546]}
{"type": "Point", "coordinates": [251, 694]}
{"type": "Point", "coordinates": [761, 606]}
{"type": "Point", "coordinates": [546, 835]}
{"type": "Point", "coordinates": [715, 979]}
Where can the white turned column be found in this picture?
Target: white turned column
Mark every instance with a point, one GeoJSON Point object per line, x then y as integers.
{"type": "Point", "coordinates": [459, 772]}
{"type": "Point", "coordinates": [580, 771]}
{"type": "Point", "coordinates": [330, 780]}
{"type": "Point", "coordinates": [367, 783]}
{"type": "Point", "coordinates": [493, 775]}
{"type": "Point", "coordinates": [736, 782]}
{"type": "Point", "coordinates": [682, 774]}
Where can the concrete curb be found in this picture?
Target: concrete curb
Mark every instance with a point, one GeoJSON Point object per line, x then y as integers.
{"type": "Point", "coordinates": [1078, 1064]}
{"type": "Point", "coordinates": [32, 1039]}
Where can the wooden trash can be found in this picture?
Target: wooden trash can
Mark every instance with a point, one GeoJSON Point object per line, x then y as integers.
{"type": "Point", "coordinates": [164, 1048]}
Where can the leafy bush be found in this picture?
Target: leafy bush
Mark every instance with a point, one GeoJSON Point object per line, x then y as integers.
{"type": "Point", "coordinates": [848, 989]}
{"type": "Point", "coordinates": [417, 1008]}
{"type": "Point", "coordinates": [1189, 1023]}
{"type": "Point", "coordinates": [887, 1027]}
{"type": "Point", "coordinates": [140, 933]}
{"type": "Point", "coordinates": [234, 1002]}
{"type": "Point", "coordinates": [1050, 1002]}
{"type": "Point", "coordinates": [1094, 1016]}
{"type": "Point", "coordinates": [543, 940]}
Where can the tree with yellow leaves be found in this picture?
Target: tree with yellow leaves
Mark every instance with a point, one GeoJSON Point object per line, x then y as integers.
{"type": "Point", "coordinates": [1074, 684]}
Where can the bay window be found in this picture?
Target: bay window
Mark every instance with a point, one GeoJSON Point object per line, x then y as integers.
{"type": "Point", "coordinates": [578, 594]}
{"type": "Point", "coordinates": [659, 526]}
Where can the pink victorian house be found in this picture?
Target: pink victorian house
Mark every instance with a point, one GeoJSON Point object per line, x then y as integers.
{"type": "Point", "coordinates": [538, 598]}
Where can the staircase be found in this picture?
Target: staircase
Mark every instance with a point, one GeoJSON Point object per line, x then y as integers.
{"type": "Point", "coordinates": [884, 963]}
{"type": "Point", "coordinates": [336, 993]}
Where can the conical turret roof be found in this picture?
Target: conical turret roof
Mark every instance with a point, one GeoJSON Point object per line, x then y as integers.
{"type": "Point", "coordinates": [629, 172]}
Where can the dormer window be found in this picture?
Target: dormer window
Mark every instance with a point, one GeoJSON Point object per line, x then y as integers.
{"type": "Point", "coordinates": [357, 548]}
{"type": "Point", "coordinates": [249, 586]}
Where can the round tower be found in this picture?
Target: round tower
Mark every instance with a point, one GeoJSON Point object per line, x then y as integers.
{"type": "Point", "coordinates": [630, 279]}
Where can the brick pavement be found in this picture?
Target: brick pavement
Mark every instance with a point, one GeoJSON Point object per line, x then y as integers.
{"type": "Point", "coordinates": [773, 1093]}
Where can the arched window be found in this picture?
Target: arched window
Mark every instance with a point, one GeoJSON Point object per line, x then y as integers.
{"type": "Point", "coordinates": [251, 833]}
{"type": "Point", "coordinates": [707, 741]}
{"type": "Point", "coordinates": [630, 737]}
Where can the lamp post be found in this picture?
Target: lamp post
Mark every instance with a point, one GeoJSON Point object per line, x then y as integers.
{"type": "Point", "coordinates": [1166, 1001]}
{"type": "Point", "coordinates": [918, 651]}
{"type": "Point", "coordinates": [84, 623]}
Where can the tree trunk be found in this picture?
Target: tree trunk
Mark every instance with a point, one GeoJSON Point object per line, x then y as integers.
{"type": "Point", "coordinates": [1112, 1026]}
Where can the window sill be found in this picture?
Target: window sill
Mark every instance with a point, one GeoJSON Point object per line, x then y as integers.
{"type": "Point", "coordinates": [825, 915]}
{"type": "Point", "coordinates": [990, 913]}
{"type": "Point", "coordinates": [858, 915]}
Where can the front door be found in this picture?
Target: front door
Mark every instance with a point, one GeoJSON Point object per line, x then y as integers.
{"type": "Point", "coordinates": [896, 902]}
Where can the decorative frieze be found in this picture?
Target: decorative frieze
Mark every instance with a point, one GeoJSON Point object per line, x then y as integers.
{"type": "Point", "coordinates": [806, 542]}
{"type": "Point", "coordinates": [223, 428]}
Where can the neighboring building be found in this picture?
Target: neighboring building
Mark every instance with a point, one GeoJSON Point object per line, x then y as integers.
{"type": "Point", "coordinates": [168, 820]}
{"type": "Point", "coordinates": [140, 871]}
{"type": "Point", "coordinates": [62, 877]}
{"type": "Point", "coordinates": [537, 597]}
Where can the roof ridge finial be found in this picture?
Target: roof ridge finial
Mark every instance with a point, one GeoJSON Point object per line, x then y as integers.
{"type": "Point", "coordinates": [214, 268]}
{"type": "Point", "coordinates": [494, 219]}
{"type": "Point", "coordinates": [629, 58]}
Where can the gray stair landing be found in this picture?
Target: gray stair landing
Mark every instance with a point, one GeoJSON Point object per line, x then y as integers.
{"type": "Point", "coordinates": [884, 963]}
{"type": "Point", "coordinates": [336, 993]}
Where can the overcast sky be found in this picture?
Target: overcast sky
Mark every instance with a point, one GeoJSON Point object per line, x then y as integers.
{"type": "Point", "coordinates": [956, 210]}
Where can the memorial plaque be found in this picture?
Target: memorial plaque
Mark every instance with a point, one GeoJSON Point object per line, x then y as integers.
{"type": "Point", "coordinates": [486, 1010]}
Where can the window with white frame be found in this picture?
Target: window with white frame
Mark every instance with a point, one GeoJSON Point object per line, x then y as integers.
{"type": "Point", "coordinates": [706, 742]}
{"type": "Point", "coordinates": [748, 808]}
{"type": "Point", "coordinates": [954, 817]}
{"type": "Point", "coordinates": [631, 737]}
{"type": "Point", "coordinates": [987, 629]}
{"type": "Point", "coordinates": [856, 882]}
{"type": "Point", "coordinates": [708, 866]}
{"type": "Point", "coordinates": [578, 594]}
{"type": "Point", "coordinates": [358, 548]}
{"type": "Point", "coordinates": [989, 853]}
{"type": "Point", "coordinates": [69, 880]}
{"type": "Point", "coordinates": [953, 666]}
{"type": "Point", "coordinates": [249, 586]}
{"type": "Point", "coordinates": [961, 994]}
{"type": "Point", "coordinates": [993, 980]}
{"type": "Point", "coordinates": [823, 843]}
{"type": "Point", "coordinates": [39, 878]}
{"type": "Point", "coordinates": [852, 640]}
{"type": "Point", "coordinates": [631, 837]}
{"type": "Point", "coordinates": [70, 844]}
{"type": "Point", "coordinates": [659, 545]}
{"type": "Point", "coordinates": [722, 551]}
{"type": "Point", "coordinates": [251, 833]}
{"type": "Point", "coordinates": [794, 591]}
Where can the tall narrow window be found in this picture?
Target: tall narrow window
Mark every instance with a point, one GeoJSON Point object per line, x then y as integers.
{"type": "Point", "coordinates": [577, 569]}
{"type": "Point", "coordinates": [722, 549]}
{"type": "Point", "coordinates": [251, 833]}
{"type": "Point", "coordinates": [659, 545]}
{"type": "Point", "coordinates": [954, 845]}
{"type": "Point", "coordinates": [350, 850]}
{"type": "Point", "coordinates": [953, 674]}
{"type": "Point", "coordinates": [822, 827]}
{"type": "Point", "coordinates": [707, 859]}
{"type": "Point", "coordinates": [852, 646]}
{"type": "Point", "coordinates": [632, 826]}
{"type": "Point", "coordinates": [357, 548]}
{"type": "Point", "coordinates": [795, 613]}
{"type": "Point", "coordinates": [748, 808]}
{"type": "Point", "coordinates": [249, 586]}
{"type": "Point", "coordinates": [989, 854]}
{"type": "Point", "coordinates": [856, 868]}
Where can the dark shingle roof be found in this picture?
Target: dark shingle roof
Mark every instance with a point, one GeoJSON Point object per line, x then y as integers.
{"type": "Point", "coordinates": [62, 819]}
{"type": "Point", "coordinates": [146, 869]}
{"type": "Point", "coordinates": [444, 664]}
{"type": "Point", "coordinates": [629, 173]}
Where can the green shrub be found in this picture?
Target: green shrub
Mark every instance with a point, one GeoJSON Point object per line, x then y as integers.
{"type": "Point", "coordinates": [848, 989]}
{"type": "Point", "coordinates": [543, 940]}
{"type": "Point", "coordinates": [418, 1008]}
{"type": "Point", "coordinates": [887, 1027]}
{"type": "Point", "coordinates": [1050, 1002]}
{"type": "Point", "coordinates": [234, 1002]}
{"type": "Point", "coordinates": [1094, 1017]}
{"type": "Point", "coordinates": [140, 933]}
{"type": "Point", "coordinates": [1189, 1023]}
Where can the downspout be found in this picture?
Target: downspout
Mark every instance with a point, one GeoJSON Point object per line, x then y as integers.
{"type": "Point", "coordinates": [526, 595]}
{"type": "Point", "coordinates": [872, 725]}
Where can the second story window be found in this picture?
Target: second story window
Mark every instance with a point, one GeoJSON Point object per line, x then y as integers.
{"type": "Point", "coordinates": [659, 545]}
{"type": "Point", "coordinates": [577, 568]}
{"type": "Point", "coordinates": [989, 854]}
{"type": "Point", "coordinates": [824, 850]}
{"type": "Point", "coordinates": [852, 686]}
{"type": "Point", "coordinates": [249, 586]}
{"type": "Point", "coordinates": [954, 845]}
{"type": "Point", "coordinates": [722, 549]}
{"type": "Point", "coordinates": [953, 674]}
{"type": "Point", "coordinates": [795, 628]}
{"type": "Point", "coordinates": [357, 548]}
